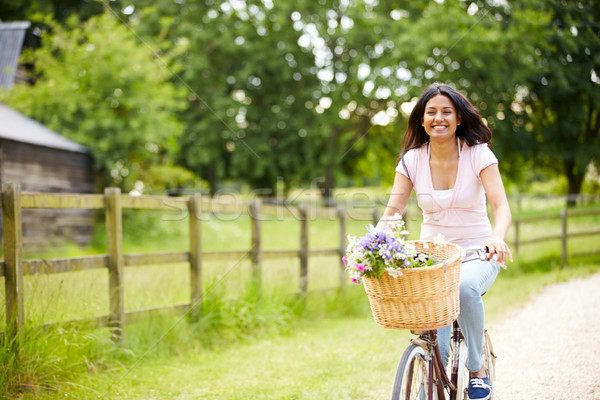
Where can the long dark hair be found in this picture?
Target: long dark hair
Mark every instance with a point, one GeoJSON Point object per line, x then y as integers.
{"type": "Point", "coordinates": [472, 128]}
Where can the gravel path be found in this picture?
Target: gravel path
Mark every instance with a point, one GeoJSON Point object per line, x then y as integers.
{"type": "Point", "coordinates": [550, 348]}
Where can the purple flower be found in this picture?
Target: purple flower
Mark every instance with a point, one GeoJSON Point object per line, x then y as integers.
{"type": "Point", "coordinates": [377, 251]}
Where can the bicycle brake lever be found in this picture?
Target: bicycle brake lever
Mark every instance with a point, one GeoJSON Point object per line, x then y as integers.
{"type": "Point", "coordinates": [484, 253]}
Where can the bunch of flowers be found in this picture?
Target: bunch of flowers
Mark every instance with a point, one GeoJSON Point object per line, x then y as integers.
{"type": "Point", "coordinates": [382, 250]}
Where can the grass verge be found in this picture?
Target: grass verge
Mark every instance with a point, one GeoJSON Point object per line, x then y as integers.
{"type": "Point", "coordinates": [267, 346]}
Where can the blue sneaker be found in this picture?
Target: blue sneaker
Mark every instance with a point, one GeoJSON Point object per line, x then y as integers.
{"type": "Point", "coordinates": [479, 388]}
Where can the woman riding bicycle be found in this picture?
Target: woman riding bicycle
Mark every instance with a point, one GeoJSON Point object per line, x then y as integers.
{"type": "Point", "coordinates": [446, 158]}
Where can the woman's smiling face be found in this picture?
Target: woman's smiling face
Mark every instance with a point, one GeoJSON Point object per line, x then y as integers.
{"type": "Point", "coordinates": [440, 118]}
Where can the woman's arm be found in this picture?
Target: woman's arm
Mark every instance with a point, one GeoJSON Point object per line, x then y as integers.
{"type": "Point", "coordinates": [398, 198]}
{"type": "Point", "coordinates": [494, 190]}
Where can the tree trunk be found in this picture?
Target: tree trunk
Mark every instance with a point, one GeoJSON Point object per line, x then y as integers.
{"type": "Point", "coordinates": [328, 184]}
{"type": "Point", "coordinates": [326, 187]}
{"type": "Point", "coordinates": [575, 178]}
{"type": "Point", "coordinates": [211, 177]}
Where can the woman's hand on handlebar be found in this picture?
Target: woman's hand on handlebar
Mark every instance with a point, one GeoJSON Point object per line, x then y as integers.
{"type": "Point", "coordinates": [497, 247]}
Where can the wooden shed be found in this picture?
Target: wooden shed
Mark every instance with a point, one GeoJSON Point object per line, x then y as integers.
{"type": "Point", "coordinates": [41, 160]}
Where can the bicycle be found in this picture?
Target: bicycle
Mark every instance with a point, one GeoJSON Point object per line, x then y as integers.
{"type": "Point", "coordinates": [421, 374]}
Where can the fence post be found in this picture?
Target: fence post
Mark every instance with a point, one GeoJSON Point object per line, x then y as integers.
{"type": "Point", "coordinates": [303, 249]}
{"type": "Point", "coordinates": [114, 242]}
{"type": "Point", "coordinates": [195, 214]}
{"type": "Point", "coordinates": [341, 211]}
{"type": "Point", "coordinates": [255, 252]}
{"type": "Point", "coordinates": [13, 269]}
{"type": "Point", "coordinates": [563, 218]}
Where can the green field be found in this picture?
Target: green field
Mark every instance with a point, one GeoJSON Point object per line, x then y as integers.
{"type": "Point", "coordinates": [330, 348]}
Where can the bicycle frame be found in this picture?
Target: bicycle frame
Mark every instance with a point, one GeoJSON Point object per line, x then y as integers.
{"type": "Point", "coordinates": [425, 350]}
{"type": "Point", "coordinates": [456, 338]}
{"type": "Point", "coordinates": [438, 378]}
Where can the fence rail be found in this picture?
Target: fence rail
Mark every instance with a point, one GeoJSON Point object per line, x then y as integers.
{"type": "Point", "coordinates": [14, 268]}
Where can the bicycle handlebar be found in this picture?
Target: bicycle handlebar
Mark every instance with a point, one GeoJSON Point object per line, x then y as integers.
{"type": "Point", "coordinates": [483, 254]}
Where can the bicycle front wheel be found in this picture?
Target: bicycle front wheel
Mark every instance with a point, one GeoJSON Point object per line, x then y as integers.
{"type": "Point", "coordinates": [489, 360]}
{"type": "Point", "coordinates": [412, 375]}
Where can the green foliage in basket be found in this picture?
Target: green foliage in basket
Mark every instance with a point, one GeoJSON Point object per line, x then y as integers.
{"type": "Point", "coordinates": [384, 249]}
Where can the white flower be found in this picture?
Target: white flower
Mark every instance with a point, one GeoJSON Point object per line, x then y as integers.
{"type": "Point", "coordinates": [396, 224]}
{"type": "Point", "coordinates": [394, 272]}
{"type": "Point", "coordinates": [439, 240]}
{"type": "Point", "coordinates": [410, 249]}
{"type": "Point", "coordinates": [395, 218]}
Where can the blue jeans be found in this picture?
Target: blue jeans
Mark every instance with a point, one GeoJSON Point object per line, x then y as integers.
{"type": "Point", "coordinates": [476, 277]}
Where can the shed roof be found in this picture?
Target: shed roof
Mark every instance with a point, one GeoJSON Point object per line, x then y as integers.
{"type": "Point", "coordinates": [11, 40]}
{"type": "Point", "coordinates": [17, 127]}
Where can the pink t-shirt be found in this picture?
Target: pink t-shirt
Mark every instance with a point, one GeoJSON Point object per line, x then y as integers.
{"type": "Point", "coordinates": [464, 221]}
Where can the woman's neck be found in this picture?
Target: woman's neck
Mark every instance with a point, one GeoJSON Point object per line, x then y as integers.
{"type": "Point", "coordinates": [445, 151]}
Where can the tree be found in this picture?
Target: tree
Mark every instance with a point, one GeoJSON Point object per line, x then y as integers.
{"type": "Point", "coordinates": [215, 109]}
{"type": "Point", "coordinates": [319, 87]}
{"type": "Point", "coordinates": [477, 50]}
{"type": "Point", "coordinates": [530, 66]}
{"type": "Point", "coordinates": [95, 84]}
{"type": "Point", "coordinates": [271, 87]}
{"type": "Point", "coordinates": [307, 90]}
{"type": "Point", "coordinates": [562, 100]}
{"type": "Point", "coordinates": [347, 40]}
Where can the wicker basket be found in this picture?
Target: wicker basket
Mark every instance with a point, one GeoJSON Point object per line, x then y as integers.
{"type": "Point", "coordinates": [422, 298]}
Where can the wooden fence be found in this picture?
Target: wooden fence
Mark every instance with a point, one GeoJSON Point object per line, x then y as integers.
{"type": "Point", "coordinates": [563, 236]}
{"type": "Point", "coordinates": [113, 202]}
